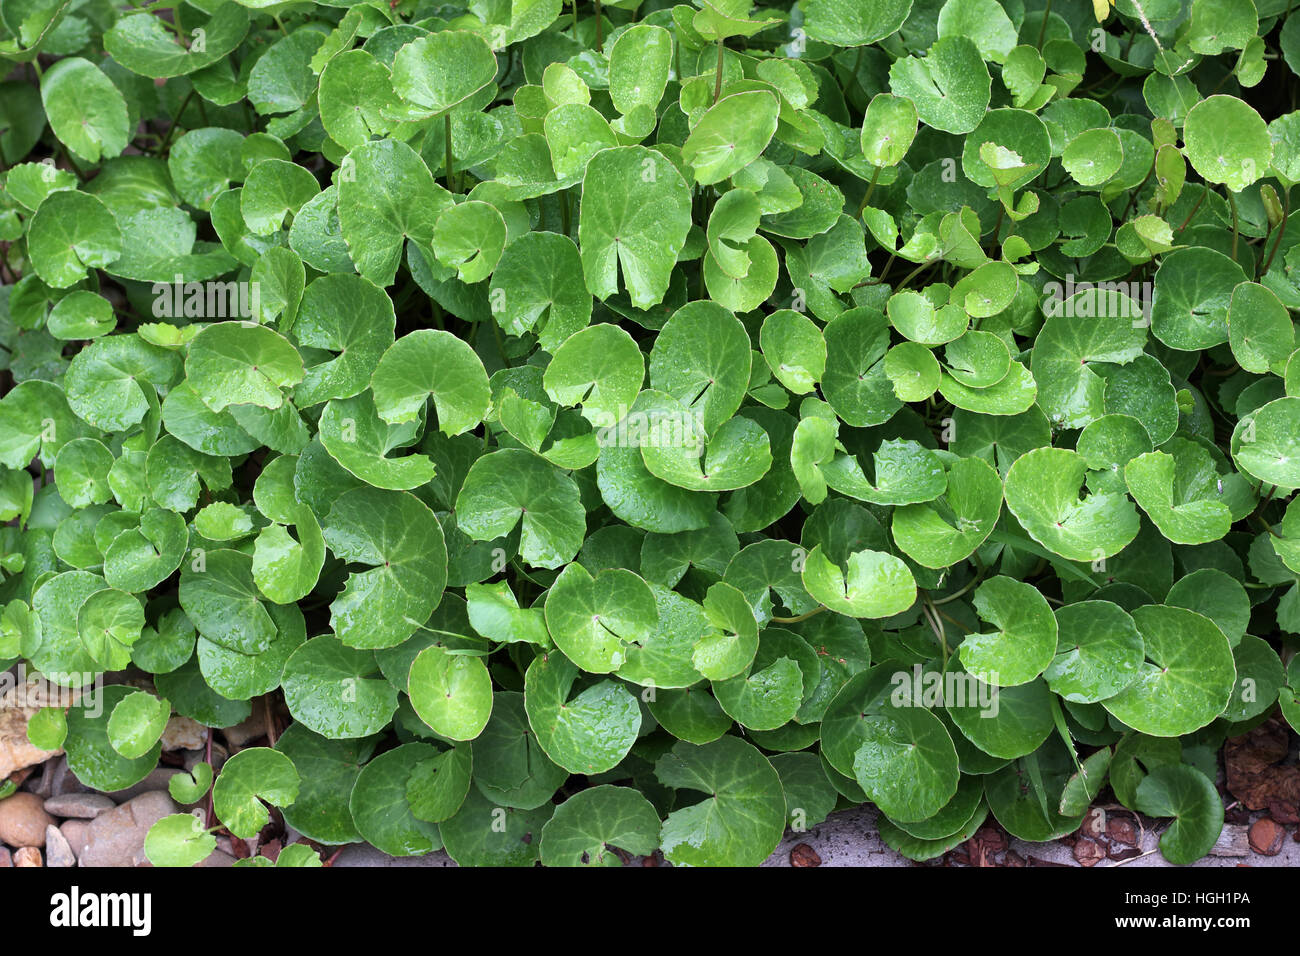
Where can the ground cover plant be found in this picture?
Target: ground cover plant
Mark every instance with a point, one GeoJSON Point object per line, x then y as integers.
{"type": "Point", "coordinates": [638, 426]}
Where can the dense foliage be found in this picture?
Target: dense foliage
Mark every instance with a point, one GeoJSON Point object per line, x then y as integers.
{"type": "Point", "coordinates": [653, 426]}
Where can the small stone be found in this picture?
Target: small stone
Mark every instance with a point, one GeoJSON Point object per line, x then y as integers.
{"type": "Point", "coordinates": [6, 858]}
{"type": "Point", "coordinates": [1122, 830]}
{"type": "Point", "coordinates": [1088, 852]}
{"type": "Point", "coordinates": [156, 780]}
{"type": "Point", "coordinates": [249, 729]}
{"type": "Point", "coordinates": [1266, 837]}
{"type": "Point", "coordinates": [17, 705]}
{"type": "Point", "coordinates": [183, 733]}
{"type": "Point", "coordinates": [216, 859]}
{"type": "Point", "coordinates": [192, 758]}
{"type": "Point", "coordinates": [23, 820]}
{"type": "Point", "coordinates": [116, 838]}
{"type": "Point", "coordinates": [58, 852]}
{"type": "Point", "coordinates": [27, 856]}
{"type": "Point", "coordinates": [65, 781]}
{"type": "Point", "coordinates": [75, 832]}
{"type": "Point", "coordinates": [804, 855]}
{"type": "Point", "coordinates": [79, 806]}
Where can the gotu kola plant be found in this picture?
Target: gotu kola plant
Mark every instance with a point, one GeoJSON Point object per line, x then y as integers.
{"type": "Point", "coordinates": [645, 426]}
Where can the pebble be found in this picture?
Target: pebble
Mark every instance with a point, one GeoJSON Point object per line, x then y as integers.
{"type": "Point", "coordinates": [27, 856]}
{"type": "Point", "coordinates": [23, 820]}
{"type": "Point", "coordinates": [804, 855]}
{"type": "Point", "coordinates": [156, 780]}
{"type": "Point", "coordinates": [1266, 837]}
{"type": "Point", "coordinates": [183, 733]}
{"type": "Point", "coordinates": [75, 832]}
{"type": "Point", "coordinates": [58, 853]}
{"type": "Point", "coordinates": [249, 729]}
{"type": "Point", "coordinates": [79, 806]}
{"type": "Point", "coordinates": [6, 858]}
{"type": "Point", "coordinates": [116, 838]}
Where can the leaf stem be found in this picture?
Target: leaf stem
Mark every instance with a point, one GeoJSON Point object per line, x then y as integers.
{"type": "Point", "coordinates": [1042, 29]}
{"type": "Point", "coordinates": [871, 187]}
{"type": "Point", "coordinates": [1204, 192]}
{"type": "Point", "coordinates": [451, 185]}
{"type": "Point", "coordinates": [932, 618]}
{"type": "Point", "coordinates": [600, 39]}
{"type": "Point", "coordinates": [171, 130]}
{"type": "Point", "coordinates": [1281, 230]}
{"type": "Point", "coordinates": [717, 80]}
{"type": "Point", "coordinates": [1232, 204]}
{"type": "Point", "coordinates": [799, 617]}
{"type": "Point", "coordinates": [912, 275]}
{"type": "Point", "coordinates": [207, 757]}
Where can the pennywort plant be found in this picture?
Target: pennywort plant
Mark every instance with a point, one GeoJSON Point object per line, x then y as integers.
{"type": "Point", "coordinates": [650, 426]}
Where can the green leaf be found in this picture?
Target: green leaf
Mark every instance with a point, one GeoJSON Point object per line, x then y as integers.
{"type": "Point", "coordinates": [137, 723]}
{"type": "Point", "coordinates": [940, 533]}
{"type": "Point", "coordinates": [1042, 491]}
{"type": "Point", "coordinates": [1098, 652]}
{"type": "Point", "coordinates": [86, 111]}
{"type": "Point", "coordinates": [275, 189]}
{"type": "Point", "coordinates": [1187, 678]}
{"type": "Point", "coordinates": [538, 285]}
{"type": "Point", "coordinates": [1188, 796]}
{"type": "Point", "coordinates": [1025, 640]}
{"type": "Point", "coordinates": [1179, 494]}
{"type": "Point", "coordinates": [874, 584]}
{"type": "Point", "coordinates": [639, 64]}
{"type": "Point", "coordinates": [330, 689]}
{"type": "Point", "coordinates": [586, 732]}
{"type": "Point", "coordinates": [1266, 443]}
{"type": "Point", "coordinates": [950, 85]}
{"type": "Point", "coordinates": [47, 729]}
{"type": "Point", "coordinates": [70, 233]}
{"type": "Point", "coordinates": [241, 363]}
{"type": "Point", "coordinates": [587, 826]}
{"type": "Point", "coordinates": [193, 786]}
{"type": "Point", "coordinates": [90, 755]}
{"type": "Point", "coordinates": [218, 595]}
{"type": "Point", "coordinates": [399, 539]}
{"type": "Point", "coordinates": [1227, 142]}
{"type": "Point", "coordinates": [742, 816]}
{"type": "Point", "coordinates": [592, 619]}
{"type": "Point", "coordinates": [730, 135]}
{"type": "Point", "coordinates": [845, 23]}
{"type": "Point", "coordinates": [178, 839]}
{"type": "Point", "coordinates": [635, 217]}
{"type": "Point", "coordinates": [600, 370]}
{"type": "Point", "coordinates": [452, 693]}
{"type": "Point", "coordinates": [514, 487]}
{"type": "Point", "coordinates": [438, 71]}
{"type": "Point", "coordinates": [386, 195]}
{"type": "Point", "coordinates": [251, 776]}
{"type": "Point", "coordinates": [431, 362]}
{"type": "Point", "coordinates": [380, 807]}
